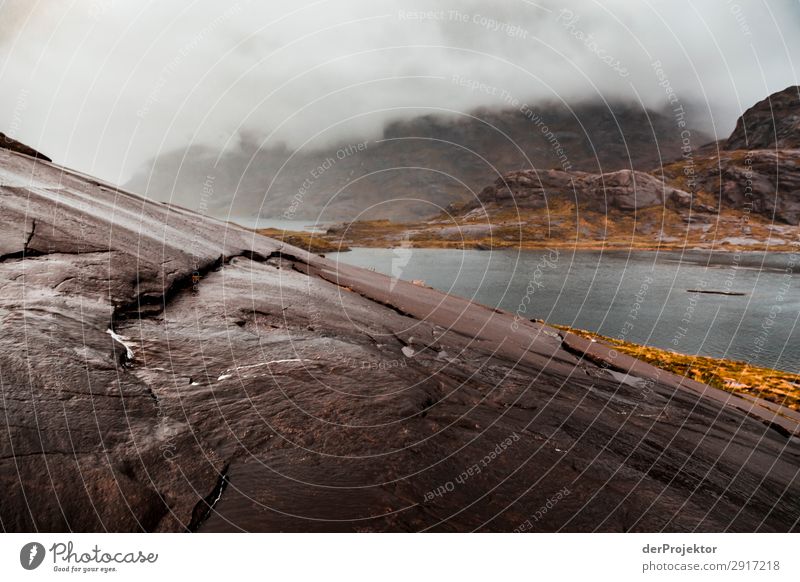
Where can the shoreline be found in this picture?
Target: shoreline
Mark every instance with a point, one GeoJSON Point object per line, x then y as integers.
{"type": "Point", "coordinates": [729, 375]}
{"type": "Point", "coordinates": [323, 242]}
{"type": "Point", "coordinates": [783, 249]}
{"type": "Point", "coordinates": [471, 375]}
{"type": "Point", "coordinates": [734, 376]}
{"type": "Point", "coordinates": [711, 370]}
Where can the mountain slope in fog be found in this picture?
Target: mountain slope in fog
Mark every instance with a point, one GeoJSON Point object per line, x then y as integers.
{"type": "Point", "coordinates": [417, 168]}
{"type": "Point", "coordinates": [713, 197]}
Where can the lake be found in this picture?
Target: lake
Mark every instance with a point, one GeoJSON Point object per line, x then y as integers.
{"type": "Point", "coordinates": [642, 297]}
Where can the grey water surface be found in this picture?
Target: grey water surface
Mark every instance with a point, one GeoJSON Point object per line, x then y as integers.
{"type": "Point", "coordinates": [642, 297]}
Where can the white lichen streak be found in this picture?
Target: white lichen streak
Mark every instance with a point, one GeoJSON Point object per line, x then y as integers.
{"type": "Point", "coordinates": [229, 373]}
{"type": "Point", "coordinates": [122, 340]}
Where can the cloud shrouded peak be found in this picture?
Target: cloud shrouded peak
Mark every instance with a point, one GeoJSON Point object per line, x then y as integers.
{"type": "Point", "coordinates": [104, 86]}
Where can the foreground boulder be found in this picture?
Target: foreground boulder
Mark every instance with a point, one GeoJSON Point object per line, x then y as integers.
{"type": "Point", "coordinates": [162, 371]}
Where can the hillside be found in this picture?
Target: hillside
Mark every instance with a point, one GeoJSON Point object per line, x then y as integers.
{"type": "Point", "coordinates": [773, 123]}
{"type": "Point", "coordinates": [417, 168]}
{"type": "Point", "coordinates": [709, 198]}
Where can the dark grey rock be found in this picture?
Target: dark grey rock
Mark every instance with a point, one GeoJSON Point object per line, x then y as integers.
{"type": "Point", "coordinates": [773, 123]}
{"type": "Point", "coordinates": [764, 182]}
{"type": "Point", "coordinates": [623, 190]}
{"type": "Point", "coordinates": [13, 145]}
{"type": "Point", "coordinates": [270, 391]}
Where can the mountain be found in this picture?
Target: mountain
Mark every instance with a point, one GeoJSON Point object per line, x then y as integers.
{"type": "Point", "coordinates": [773, 123]}
{"type": "Point", "coordinates": [762, 184]}
{"type": "Point", "coordinates": [166, 371]}
{"type": "Point", "coordinates": [418, 167]}
{"type": "Point", "coordinates": [708, 198]}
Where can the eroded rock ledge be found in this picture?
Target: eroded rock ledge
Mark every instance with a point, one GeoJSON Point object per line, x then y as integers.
{"type": "Point", "coordinates": [162, 371]}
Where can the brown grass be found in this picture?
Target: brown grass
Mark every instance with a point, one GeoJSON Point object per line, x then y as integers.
{"type": "Point", "coordinates": [563, 226]}
{"type": "Point", "coordinates": [730, 375]}
{"type": "Point", "coordinates": [310, 241]}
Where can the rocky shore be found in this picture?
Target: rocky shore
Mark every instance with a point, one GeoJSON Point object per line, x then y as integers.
{"type": "Point", "coordinates": [164, 371]}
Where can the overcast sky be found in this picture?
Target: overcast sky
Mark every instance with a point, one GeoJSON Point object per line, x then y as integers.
{"type": "Point", "coordinates": [105, 85]}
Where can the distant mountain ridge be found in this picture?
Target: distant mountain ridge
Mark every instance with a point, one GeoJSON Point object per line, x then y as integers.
{"type": "Point", "coordinates": [419, 167]}
{"type": "Point", "coordinates": [712, 197]}
{"type": "Point", "coordinates": [764, 178]}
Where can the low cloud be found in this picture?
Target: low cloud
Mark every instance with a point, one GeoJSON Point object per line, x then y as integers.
{"type": "Point", "coordinates": [108, 85]}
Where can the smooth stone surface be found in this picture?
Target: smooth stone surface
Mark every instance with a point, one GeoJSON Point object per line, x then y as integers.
{"type": "Point", "coordinates": [271, 391]}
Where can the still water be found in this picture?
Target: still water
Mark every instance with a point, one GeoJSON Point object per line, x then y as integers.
{"type": "Point", "coordinates": [642, 297]}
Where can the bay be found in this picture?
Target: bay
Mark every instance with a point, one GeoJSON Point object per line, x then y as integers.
{"type": "Point", "coordinates": [647, 298]}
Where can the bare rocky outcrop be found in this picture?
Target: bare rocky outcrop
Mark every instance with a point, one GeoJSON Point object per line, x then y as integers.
{"type": "Point", "coordinates": [773, 123]}
{"type": "Point", "coordinates": [756, 171]}
{"type": "Point", "coordinates": [764, 182]}
{"type": "Point", "coordinates": [623, 190]}
{"type": "Point", "coordinates": [162, 371]}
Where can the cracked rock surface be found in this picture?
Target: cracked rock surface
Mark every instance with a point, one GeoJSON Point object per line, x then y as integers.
{"type": "Point", "coordinates": [163, 371]}
{"type": "Point", "coordinates": [772, 123]}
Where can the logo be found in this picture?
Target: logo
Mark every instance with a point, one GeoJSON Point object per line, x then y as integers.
{"type": "Point", "coordinates": [31, 555]}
